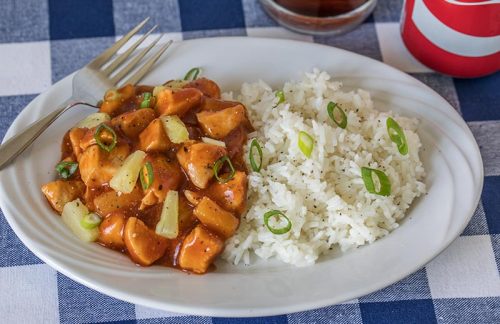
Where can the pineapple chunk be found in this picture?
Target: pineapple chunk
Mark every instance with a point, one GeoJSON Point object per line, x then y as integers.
{"type": "Point", "coordinates": [125, 178]}
{"type": "Point", "coordinates": [168, 226]}
{"type": "Point", "coordinates": [93, 120]}
{"type": "Point", "coordinates": [209, 140]}
{"type": "Point", "coordinates": [175, 84]}
{"type": "Point", "coordinates": [176, 130]}
{"type": "Point", "coordinates": [72, 216]}
{"type": "Point", "coordinates": [157, 90]}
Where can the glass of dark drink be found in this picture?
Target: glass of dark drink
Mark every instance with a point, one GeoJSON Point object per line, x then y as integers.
{"type": "Point", "coordinates": [319, 17]}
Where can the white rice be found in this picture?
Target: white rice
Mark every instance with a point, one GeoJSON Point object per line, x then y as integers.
{"type": "Point", "coordinates": [323, 196]}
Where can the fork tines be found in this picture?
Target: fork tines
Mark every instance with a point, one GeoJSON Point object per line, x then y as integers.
{"type": "Point", "coordinates": [107, 65]}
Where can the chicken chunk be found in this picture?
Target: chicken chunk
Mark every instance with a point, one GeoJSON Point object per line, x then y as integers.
{"type": "Point", "coordinates": [215, 218]}
{"type": "Point", "coordinates": [198, 160]}
{"type": "Point", "coordinates": [97, 166]}
{"type": "Point", "coordinates": [114, 99]}
{"type": "Point", "coordinates": [186, 217]}
{"type": "Point", "coordinates": [154, 138]}
{"type": "Point", "coordinates": [143, 244]}
{"type": "Point", "coordinates": [112, 201]}
{"type": "Point", "coordinates": [218, 124]}
{"type": "Point", "coordinates": [88, 138]}
{"type": "Point", "coordinates": [111, 231]}
{"type": "Point", "coordinates": [208, 87]}
{"type": "Point", "coordinates": [194, 197]}
{"type": "Point", "coordinates": [133, 122]}
{"type": "Point", "coordinates": [60, 192]}
{"type": "Point", "coordinates": [199, 249]}
{"type": "Point", "coordinates": [166, 176]}
{"type": "Point", "coordinates": [231, 195]}
{"type": "Point", "coordinates": [211, 104]}
{"type": "Point", "coordinates": [177, 102]}
{"type": "Point", "coordinates": [75, 137]}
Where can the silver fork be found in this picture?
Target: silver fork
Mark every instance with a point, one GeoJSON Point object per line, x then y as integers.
{"type": "Point", "coordinates": [89, 85]}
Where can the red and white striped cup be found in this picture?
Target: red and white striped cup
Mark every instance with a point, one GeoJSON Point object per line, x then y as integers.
{"type": "Point", "coordinates": [455, 37]}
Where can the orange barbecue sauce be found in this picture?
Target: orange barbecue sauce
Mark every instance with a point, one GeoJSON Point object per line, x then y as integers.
{"type": "Point", "coordinates": [129, 220]}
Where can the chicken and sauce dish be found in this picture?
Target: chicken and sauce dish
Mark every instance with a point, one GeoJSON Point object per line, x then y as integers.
{"type": "Point", "coordinates": [158, 173]}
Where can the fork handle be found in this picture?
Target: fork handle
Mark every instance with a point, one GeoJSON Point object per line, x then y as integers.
{"type": "Point", "coordinates": [16, 145]}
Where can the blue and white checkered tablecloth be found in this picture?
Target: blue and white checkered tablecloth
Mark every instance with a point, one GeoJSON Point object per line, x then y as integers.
{"type": "Point", "coordinates": [41, 41]}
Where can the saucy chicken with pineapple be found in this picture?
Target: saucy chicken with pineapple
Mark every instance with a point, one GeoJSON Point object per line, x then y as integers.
{"type": "Point", "coordinates": [158, 173]}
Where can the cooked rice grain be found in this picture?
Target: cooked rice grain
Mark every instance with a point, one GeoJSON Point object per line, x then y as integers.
{"type": "Point", "coordinates": [324, 196]}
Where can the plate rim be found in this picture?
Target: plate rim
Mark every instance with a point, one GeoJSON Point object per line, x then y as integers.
{"type": "Point", "coordinates": [221, 311]}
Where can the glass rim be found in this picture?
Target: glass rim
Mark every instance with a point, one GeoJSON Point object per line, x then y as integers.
{"type": "Point", "coordinates": [349, 14]}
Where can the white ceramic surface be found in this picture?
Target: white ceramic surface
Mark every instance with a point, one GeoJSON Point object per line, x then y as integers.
{"type": "Point", "coordinates": [451, 158]}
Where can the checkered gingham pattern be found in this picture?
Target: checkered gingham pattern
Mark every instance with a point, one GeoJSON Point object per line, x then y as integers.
{"type": "Point", "coordinates": [42, 41]}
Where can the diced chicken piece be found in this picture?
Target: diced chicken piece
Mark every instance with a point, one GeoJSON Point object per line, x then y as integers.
{"type": "Point", "coordinates": [177, 102]}
{"type": "Point", "coordinates": [112, 201]}
{"type": "Point", "coordinates": [143, 244]}
{"type": "Point", "coordinates": [218, 124]}
{"type": "Point", "coordinates": [215, 218]}
{"type": "Point", "coordinates": [166, 176]}
{"type": "Point", "coordinates": [111, 231]}
{"type": "Point", "coordinates": [154, 138]}
{"type": "Point", "coordinates": [231, 195]}
{"type": "Point", "coordinates": [75, 137]}
{"type": "Point", "coordinates": [114, 99]}
{"type": "Point", "coordinates": [208, 87]}
{"type": "Point", "coordinates": [97, 166]}
{"type": "Point", "coordinates": [193, 197]}
{"type": "Point", "coordinates": [198, 160]}
{"type": "Point", "coordinates": [88, 138]}
{"type": "Point", "coordinates": [211, 104]}
{"type": "Point", "coordinates": [186, 217]}
{"type": "Point", "coordinates": [199, 249]}
{"type": "Point", "coordinates": [60, 192]}
{"type": "Point", "coordinates": [134, 122]}
{"type": "Point", "coordinates": [235, 142]}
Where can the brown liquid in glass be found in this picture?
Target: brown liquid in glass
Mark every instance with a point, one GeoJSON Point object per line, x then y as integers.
{"type": "Point", "coordinates": [320, 8]}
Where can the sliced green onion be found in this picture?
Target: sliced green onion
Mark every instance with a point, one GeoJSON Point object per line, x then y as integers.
{"type": "Point", "coordinates": [218, 165]}
{"type": "Point", "coordinates": [397, 136]}
{"type": "Point", "coordinates": [192, 74]}
{"type": "Point", "coordinates": [281, 97]}
{"type": "Point", "coordinates": [66, 169]}
{"type": "Point", "coordinates": [146, 176]}
{"type": "Point", "coordinates": [334, 109]}
{"type": "Point", "coordinates": [306, 143]}
{"type": "Point", "coordinates": [384, 182]}
{"type": "Point", "coordinates": [97, 136]}
{"type": "Point", "coordinates": [255, 145]}
{"type": "Point", "coordinates": [90, 221]}
{"type": "Point", "coordinates": [277, 214]}
{"type": "Point", "coordinates": [146, 100]}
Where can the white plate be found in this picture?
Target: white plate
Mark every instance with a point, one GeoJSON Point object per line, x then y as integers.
{"type": "Point", "coordinates": [451, 158]}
